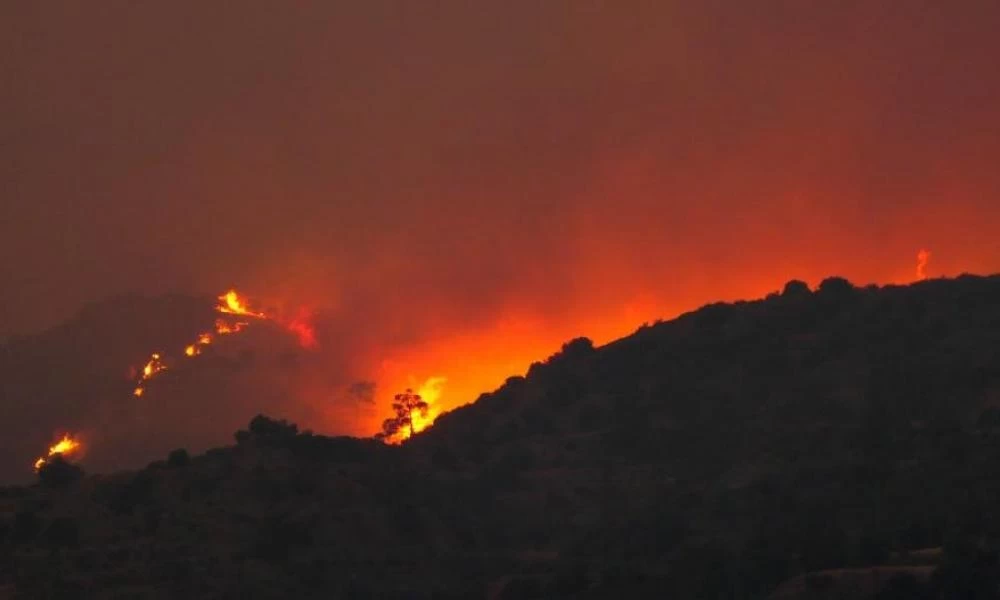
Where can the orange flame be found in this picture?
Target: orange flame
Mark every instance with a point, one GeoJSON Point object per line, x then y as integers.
{"type": "Point", "coordinates": [224, 328]}
{"type": "Point", "coordinates": [430, 392]}
{"type": "Point", "coordinates": [194, 349]}
{"type": "Point", "coordinates": [66, 446]}
{"type": "Point", "coordinates": [923, 257]}
{"type": "Point", "coordinates": [231, 303]}
{"type": "Point", "coordinates": [153, 366]}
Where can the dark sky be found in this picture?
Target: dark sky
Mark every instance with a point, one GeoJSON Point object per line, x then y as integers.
{"type": "Point", "coordinates": [492, 177]}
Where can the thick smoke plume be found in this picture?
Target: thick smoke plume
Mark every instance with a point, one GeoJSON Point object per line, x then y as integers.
{"type": "Point", "coordinates": [453, 191]}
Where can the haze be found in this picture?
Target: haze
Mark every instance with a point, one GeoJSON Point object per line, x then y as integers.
{"type": "Point", "coordinates": [459, 187]}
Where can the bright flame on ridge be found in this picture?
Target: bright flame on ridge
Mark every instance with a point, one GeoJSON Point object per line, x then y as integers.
{"type": "Point", "coordinates": [232, 304]}
{"type": "Point", "coordinates": [430, 392]}
{"type": "Point", "coordinates": [65, 446]}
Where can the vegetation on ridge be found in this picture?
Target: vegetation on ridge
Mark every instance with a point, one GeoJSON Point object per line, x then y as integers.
{"type": "Point", "coordinates": [777, 447]}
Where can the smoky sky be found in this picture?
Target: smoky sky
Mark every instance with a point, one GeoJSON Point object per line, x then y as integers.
{"type": "Point", "coordinates": [420, 167]}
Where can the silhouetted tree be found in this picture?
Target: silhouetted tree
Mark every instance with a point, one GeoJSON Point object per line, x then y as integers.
{"type": "Point", "coordinates": [405, 405]}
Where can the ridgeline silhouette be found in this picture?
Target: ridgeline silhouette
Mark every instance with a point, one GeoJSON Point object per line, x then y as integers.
{"type": "Point", "coordinates": [836, 443]}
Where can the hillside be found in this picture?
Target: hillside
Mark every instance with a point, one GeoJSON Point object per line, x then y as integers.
{"type": "Point", "coordinates": [737, 451]}
{"type": "Point", "coordinates": [79, 377]}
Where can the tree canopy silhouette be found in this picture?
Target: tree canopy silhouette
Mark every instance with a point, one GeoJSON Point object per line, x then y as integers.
{"type": "Point", "coordinates": [58, 472]}
{"type": "Point", "coordinates": [405, 405]}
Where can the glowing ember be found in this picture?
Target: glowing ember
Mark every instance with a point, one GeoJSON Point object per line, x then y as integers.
{"type": "Point", "coordinates": [153, 366]}
{"type": "Point", "coordinates": [923, 257]}
{"type": "Point", "coordinates": [194, 349]}
{"type": "Point", "coordinates": [231, 303]}
{"type": "Point", "coordinates": [224, 328]}
{"type": "Point", "coordinates": [66, 446]}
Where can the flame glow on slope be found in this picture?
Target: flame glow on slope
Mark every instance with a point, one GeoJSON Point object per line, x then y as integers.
{"type": "Point", "coordinates": [430, 392]}
{"type": "Point", "coordinates": [232, 304]}
{"type": "Point", "coordinates": [923, 257]}
{"type": "Point", "coordinates": [152, 367]}
{"type": "Point", "coordinates": [65, 446]}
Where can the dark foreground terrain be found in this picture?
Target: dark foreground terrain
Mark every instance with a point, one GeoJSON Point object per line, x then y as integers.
{"type": "Point", "coordinates": [842, 443]}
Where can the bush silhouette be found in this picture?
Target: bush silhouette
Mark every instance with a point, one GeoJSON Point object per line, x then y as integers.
{"type": "Point", "coordinates": [796, 289]}
{"type": "Point", "coordinates": [266, 427]}
{"type": "Point", "coordinates": [178, 458]}
{"type": "Point", "coordinates": [58, 472]}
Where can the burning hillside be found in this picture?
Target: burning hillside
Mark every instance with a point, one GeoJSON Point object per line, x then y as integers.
{"type": "Point", "coordinates": [189, 383]}
{"type": "Point", "coordinates": [306, 380]}
{"type": "Point", "coordinates": [643, 468]}
{"type": "Point", "coordinates": [66, 447]}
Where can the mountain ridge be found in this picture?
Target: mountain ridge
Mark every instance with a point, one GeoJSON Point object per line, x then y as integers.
{"type": "Point", "coordinates": [718, 454]}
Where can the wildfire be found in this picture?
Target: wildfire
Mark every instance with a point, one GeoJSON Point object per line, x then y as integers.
{"type": "Point", "coordinates": [224, 328]}
{"type": "Point", "coordinates": [232, 304]}
{"type": "Point", "coordinates": [153, 366]}
{"type": "Point", "coordinates": [66, 446]}
{"type": "Point", "coordinates": [204, 339]}
{"type": "Point", "coordinates": [923, 257]}
{"type": "Point", "coordinates": [429, 392]}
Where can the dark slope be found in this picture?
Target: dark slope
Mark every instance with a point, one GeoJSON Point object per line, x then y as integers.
{"type": "Point", "coordinates": [79, 377]}
{"type": "Point", "coordinates": [76, 376]}
{"type": "Point", "coordinates": [713, 456]}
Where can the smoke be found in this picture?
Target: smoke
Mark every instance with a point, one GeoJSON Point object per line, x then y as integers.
{"type": "Point", "coordinates": [362, 391]}
{"type": "Point", "coordinates": [454, 191]}
{"type": "Point", "coordinates": [923, 257]}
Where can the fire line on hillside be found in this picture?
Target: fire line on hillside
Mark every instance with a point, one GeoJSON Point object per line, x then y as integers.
{"type": "Point", "coordinates": [235, 315]}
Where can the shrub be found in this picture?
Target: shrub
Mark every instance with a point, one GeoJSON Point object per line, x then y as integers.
{"type": "Point", "coordinates": [178, 458]}
{"type": "Point", "coordinates": [796, 289]}
{"type": "Point", "coordinates": [266, 427]}
{"type": "Point", "coordinates": [58, 472]}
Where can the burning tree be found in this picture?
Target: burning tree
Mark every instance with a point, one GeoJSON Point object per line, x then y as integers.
{"type": "Point", "coordinates": [405, 405]}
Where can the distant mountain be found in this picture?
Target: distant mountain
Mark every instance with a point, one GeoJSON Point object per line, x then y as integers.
{"type": "Point", "coordinates": [79, 377]}
{"type": "Point", "coordinates": [841, 442]}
